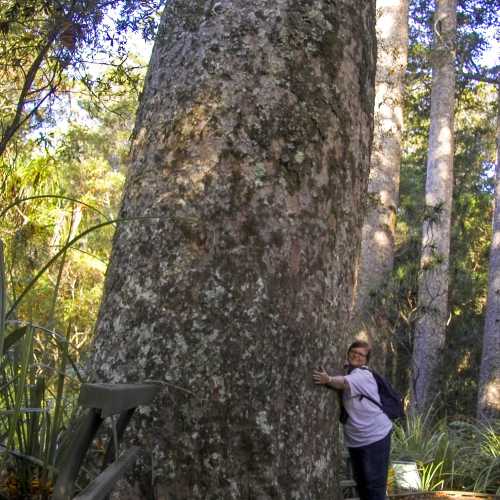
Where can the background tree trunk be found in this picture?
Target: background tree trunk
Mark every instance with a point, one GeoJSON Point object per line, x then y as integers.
{"type": "Point", "coordinates": [252, 146]}
{"type": "Point", "coordinates": [377, 246]}
{"type": "Point", "coordinates": [489, 378]}
{"type": "Point", "coordinates": [433, 284]}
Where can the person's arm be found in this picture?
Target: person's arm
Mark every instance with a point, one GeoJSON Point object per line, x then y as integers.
{"type": "Point", "coordinates": [321, 377]}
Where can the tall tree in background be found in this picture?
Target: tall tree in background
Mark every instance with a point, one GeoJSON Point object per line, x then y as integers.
{"type": "Point", "coordinates": [251, 148]}
{"type": "Point", "coordinates": [489, 379]}
{"type": "Point", "coordinates": [474, 134]}
{"type": "Point", "coordinates": [433, 283]}
{"type": "Point", "coordinates": [377, 246]}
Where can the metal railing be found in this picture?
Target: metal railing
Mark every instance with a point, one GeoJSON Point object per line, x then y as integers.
{"type": "Point", "coordinates": [118, 402]}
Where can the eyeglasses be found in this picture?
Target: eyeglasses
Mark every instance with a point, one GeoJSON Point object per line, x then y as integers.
{"type": "Point", "coordinates": [357, 353]}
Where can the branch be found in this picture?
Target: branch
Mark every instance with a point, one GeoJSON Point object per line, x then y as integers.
{"type": "Point", "coordinates": [51, 88]}
{"type": "Point", "coordinates": [480, 78]}
{"type": "Point", "coordinates": [28, 82]}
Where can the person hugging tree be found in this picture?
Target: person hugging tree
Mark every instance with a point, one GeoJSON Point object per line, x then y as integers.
{"type": "Point", "coordinates": [367, 429]}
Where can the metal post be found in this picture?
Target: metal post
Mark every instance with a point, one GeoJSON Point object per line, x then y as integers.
{"type": "Point", "coordinates": [74, 455]}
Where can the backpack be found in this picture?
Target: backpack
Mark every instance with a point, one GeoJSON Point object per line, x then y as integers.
{"type": "Point", "coordinates": [391, 402]}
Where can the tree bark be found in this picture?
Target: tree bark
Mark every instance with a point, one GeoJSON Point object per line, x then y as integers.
{"type": "Point", "coordinates": [377, 245]}
{"type": "Point", "coordinates": [489, 379]}
{"type": "Point", "coordinates": [433, 284]}
{"type": "Point", "coordinates": [251, 154]}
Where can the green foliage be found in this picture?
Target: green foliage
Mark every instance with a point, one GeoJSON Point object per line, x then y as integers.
{"type": "Point", "coordinates": [26, 419]}
{"type": "Point", "coordinates": [58, 205]}
{"type": "Point", "coordinates": [454, 455]}
{"type": "Point", "coordinates": [477, 455]}
{"type": "Point", "coordinates": [470, 243]}
{"type": "Point", "coordinates": [475, 121]}
{"type": "Point", "coordinates": [37, 357]}
{"type": "Point", "coordinates": [85, 164]}
{"type": "Point", "coordinates": [431, 476]}
{"type": "Point", "coordinates": [474, 20]}
{"type": "Point", "coordinates": [417, 439]}
{"type": "Point", "coordinates": [46, 45]}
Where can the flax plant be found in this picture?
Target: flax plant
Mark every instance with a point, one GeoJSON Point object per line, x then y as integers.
{"type": "Point", "coordinates": [459, 454]}
{"type": "Point", "coordinates": [29, 434]}
{"type": "Point", "coordinates": [39, 380]}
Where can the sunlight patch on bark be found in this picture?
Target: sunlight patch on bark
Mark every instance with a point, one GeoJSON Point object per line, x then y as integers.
{"type": "Point", "coordinates": [363, 335]}
{"type": "Point", "coordinates": [491, 396]}
{"type": "Point", "coordinates": [381, 239]}
{"type": "Point", "coordinates": [495, 243]}
{"type": "Point", "coordinates": [444, 140]}
{"type": "Point", "coordinates": [386, 25]}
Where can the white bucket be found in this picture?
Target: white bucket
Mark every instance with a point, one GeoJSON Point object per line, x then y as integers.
{"type": "Point", "coordinates": [406, 476]}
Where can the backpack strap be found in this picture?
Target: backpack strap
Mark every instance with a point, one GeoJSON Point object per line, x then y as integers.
{"type": "Point", "coordinates": [343, 412]}
{"type": "Point", "coordinates": [361, 396]}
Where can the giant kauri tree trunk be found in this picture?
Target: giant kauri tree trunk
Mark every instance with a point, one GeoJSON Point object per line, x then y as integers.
{"type": "Point", "coordinates": [488, 407]}
{"type": "Point", "coordinates": [250, 155]}
{"type": "Point", "coordinates": [433, 283]}
{"type": "Point", "coordinates": [377, 247]}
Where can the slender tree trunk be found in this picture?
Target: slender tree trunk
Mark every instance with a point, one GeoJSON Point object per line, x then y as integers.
{"type": "Point", "coordinates": [488, 406]}
{"type": "Point", "coordinates": [252, 148]}
{"type": "Point", "coordinates": [433, 285]}
{"type": "Point", "coordinates": [377, 247]}
{"type": "Point", "coordinates": [61, 221]}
